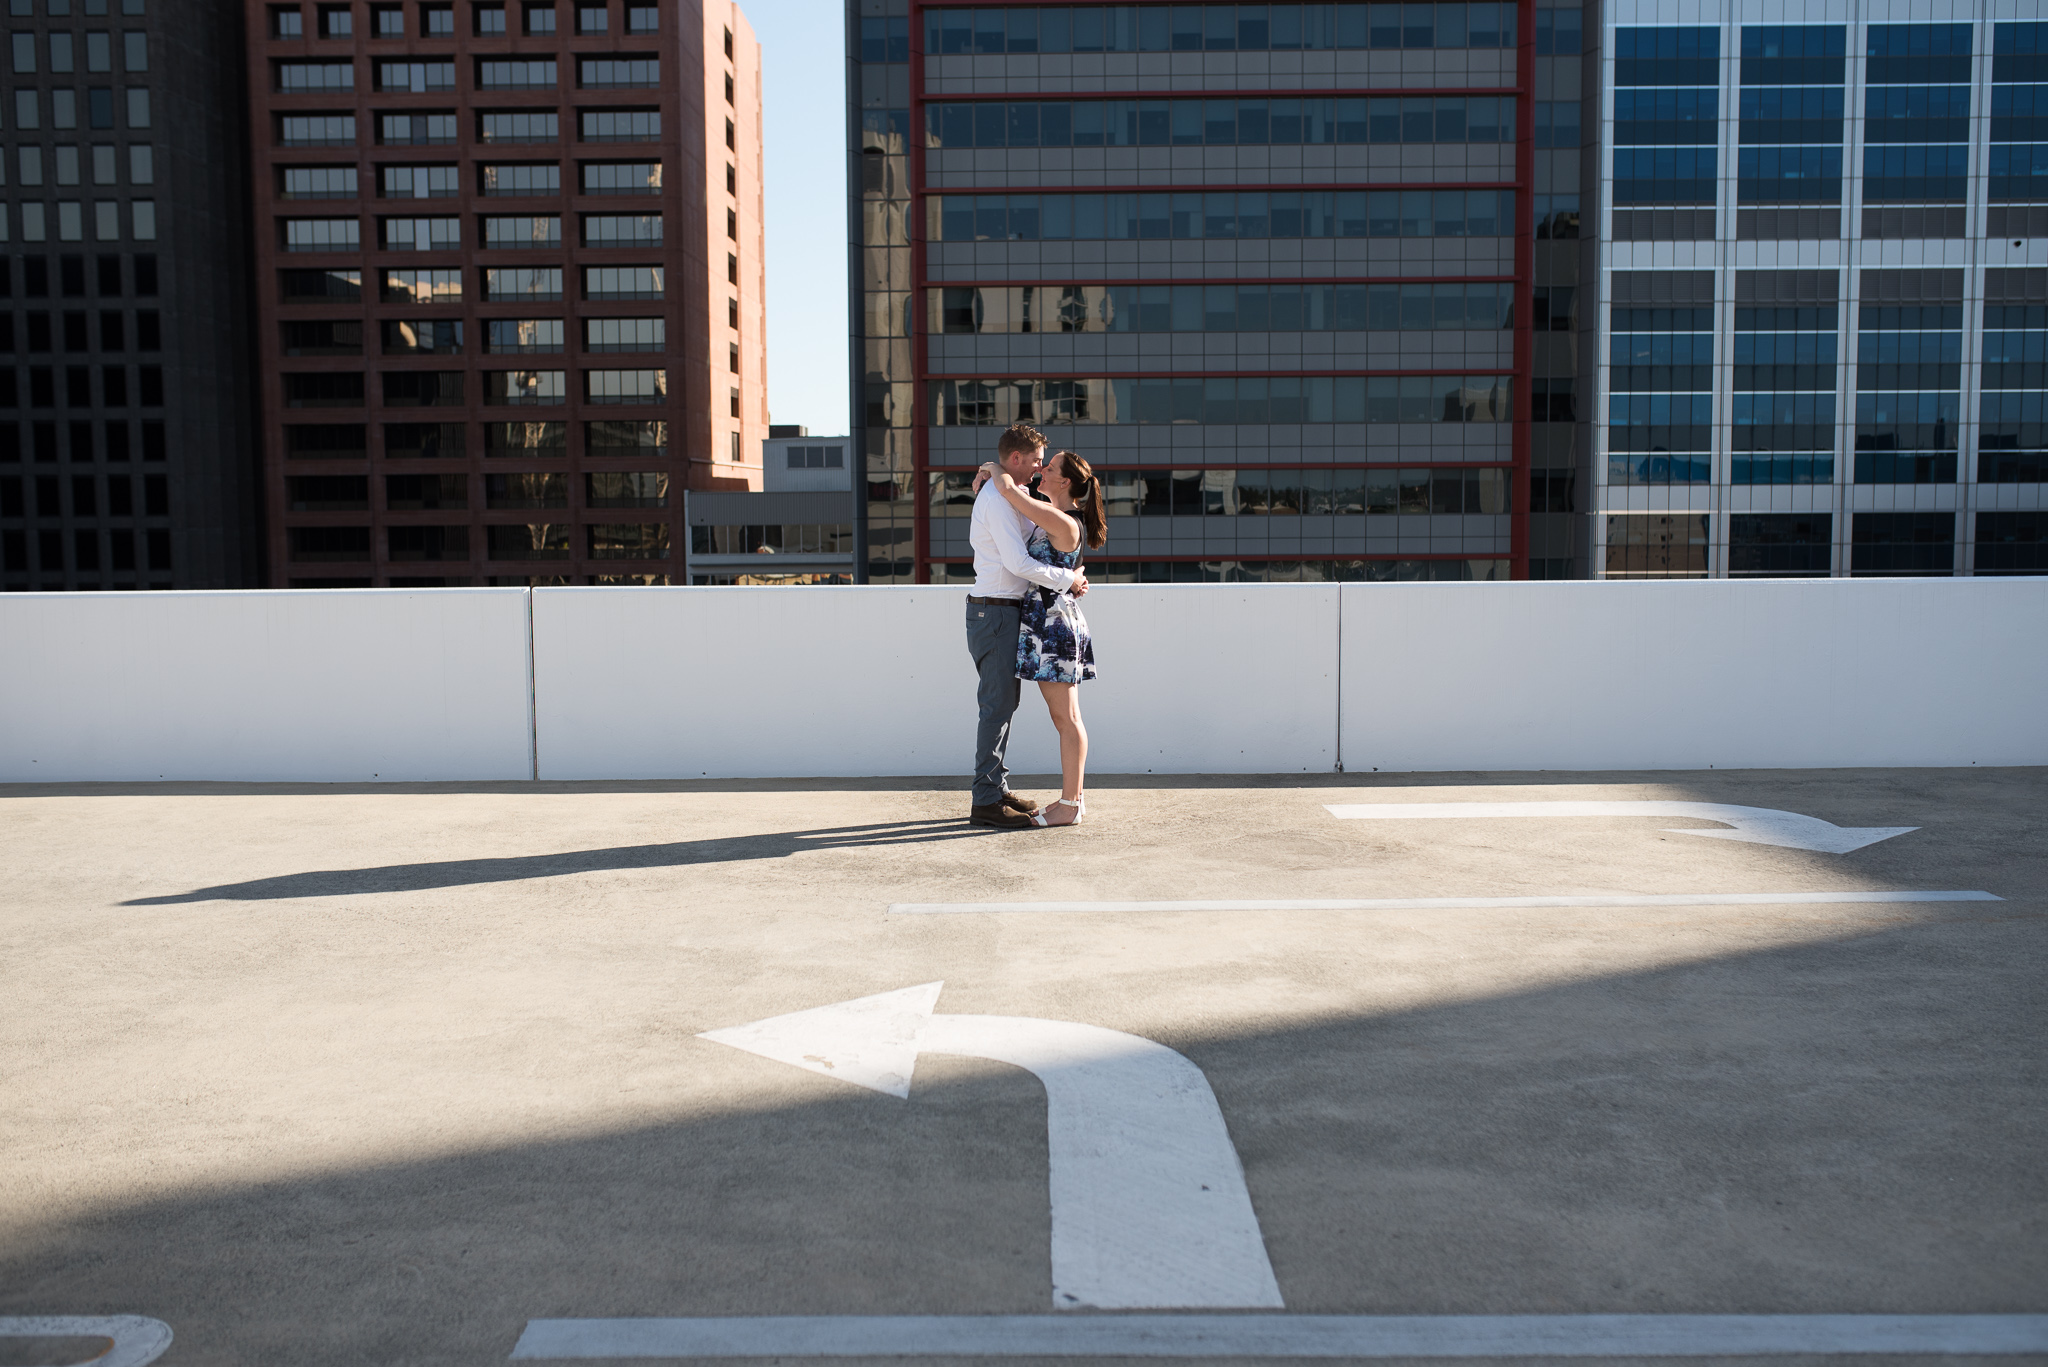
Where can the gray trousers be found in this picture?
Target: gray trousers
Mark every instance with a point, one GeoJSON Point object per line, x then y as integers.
{"type": "Point", "coordinates": [992, 641]}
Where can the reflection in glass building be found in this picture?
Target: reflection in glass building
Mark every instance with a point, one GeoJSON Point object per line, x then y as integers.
{"type": "Point", "coordinates": [1298, 280]}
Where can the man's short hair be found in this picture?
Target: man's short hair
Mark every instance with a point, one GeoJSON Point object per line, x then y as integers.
{"type": "Point", "coordinates": [1019, 437]}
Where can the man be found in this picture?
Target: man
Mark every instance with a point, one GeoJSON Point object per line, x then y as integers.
{"type": "Point", "coordinates": [1004, 573]}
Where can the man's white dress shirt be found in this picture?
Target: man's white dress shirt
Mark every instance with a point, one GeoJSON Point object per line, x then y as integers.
{"type": "Point", "coordinates": [1002, 567]}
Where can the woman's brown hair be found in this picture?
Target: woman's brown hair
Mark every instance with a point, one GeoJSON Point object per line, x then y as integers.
{"type": "Point", "coordinates": [1086, 491]}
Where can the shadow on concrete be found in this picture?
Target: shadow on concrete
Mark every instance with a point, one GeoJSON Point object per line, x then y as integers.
{"type": "Point", "coordinates": [453, 873]}
{"type": "Point", "coordinates": [1844, 1126]}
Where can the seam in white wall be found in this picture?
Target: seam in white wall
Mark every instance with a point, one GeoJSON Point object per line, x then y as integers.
{"type": "Point", "coordinates": [1339, 745]}
{"type": "Point", "coordinates": [532, 702]}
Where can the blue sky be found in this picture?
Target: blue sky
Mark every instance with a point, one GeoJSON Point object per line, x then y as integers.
{"type": "Point", "coordinates": [803, 49]}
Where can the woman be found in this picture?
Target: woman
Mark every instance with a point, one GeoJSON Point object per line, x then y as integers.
{"type": "Point", "coordinates": [1053, 649]}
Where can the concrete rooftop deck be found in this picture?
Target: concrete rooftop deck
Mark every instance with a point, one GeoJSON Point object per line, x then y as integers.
{"type": "Point", "coordinates": [371, 1074]}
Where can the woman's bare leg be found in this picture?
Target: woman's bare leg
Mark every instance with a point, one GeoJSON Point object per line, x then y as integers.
{"type": "Point", "coordinates": [1063, 704]}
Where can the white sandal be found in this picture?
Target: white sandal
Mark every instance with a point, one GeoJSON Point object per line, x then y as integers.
{"type": "Point", "coordinates": [1079, 804]}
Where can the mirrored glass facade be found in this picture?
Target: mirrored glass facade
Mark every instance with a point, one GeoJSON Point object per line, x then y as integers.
{"type": "Point", "coordinates": [1824, 292]}
{"type": "Point", "coordinates": [1300, 281]}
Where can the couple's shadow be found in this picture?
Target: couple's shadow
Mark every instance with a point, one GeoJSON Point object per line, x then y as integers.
{"type": "Point", "coordinates": [453, 873]}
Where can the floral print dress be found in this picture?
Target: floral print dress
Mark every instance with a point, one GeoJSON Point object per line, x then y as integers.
{"type": "Point", "coordinates": [1052, 641]}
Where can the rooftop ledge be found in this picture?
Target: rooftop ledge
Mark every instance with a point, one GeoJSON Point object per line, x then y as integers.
{"type": "Point", "coordinates": [610, 683]}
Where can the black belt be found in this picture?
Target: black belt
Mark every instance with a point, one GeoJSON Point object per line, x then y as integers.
{"type": "Point", "coordinates": [995, 602]}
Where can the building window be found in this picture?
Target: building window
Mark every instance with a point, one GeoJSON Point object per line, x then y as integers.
{"type": "Point", "coordinates": [731, 137]}
{"type": "Point", "coordinates": [296, 78]}
{"type": "Point", "coordinates": [506, 285]}
{"type": "Point", "coordinates": [728, 45]}
{"type": "Point", "coordinates": [618, 73]}
{"type": "Point", "coordinates": [732, 225]}
{"type": "Point", "coordinates": [426, 337]}
{"type": "Point", "coordinates": [621, 125]}
{"type": "Point", "coordinates": [734, 449]}
{"type": "Point", "coordinates": [287, 22]}
{"type": "Point", "coordinates": [1909, 353]}
{"type": "Point", "coordinates": [516, 127]}
{"type": "Point", "coordinates": [732, 314]}
{"type": "Point", "coordinates": [732, 180]}
{"type": "Point", "coordinates": [622, 178]}
{"type": "Point", "coordinates": [1779, 545]}
{"type": "Point", "coordinates": [525, 232]}
{"type": "Point", "coordinates": [1660, 377]}
{"type": "Point", "coordinates": [522, 75]}
{"type": "Point", "coordinates": [336, 21]}
{"type": "Point", "coordinates": [733, 399]}
{"type": "Point", "coordinates": [490, 21]}
{"type": "Point", "coordinates": [625, 386]}
{"type": "Point", "coordinates": [536, 178]}
{"type": "Point", "coordinates": [729, 90]}
{"type": "Point", "coordinates": [623, 282]}
{"type": "Point", "coordinates": [387, 21]}
{"type": "Point", "coordinates": [316, 130]}
{"type": "Point", "coordinates": [322, 235]}
{"type": "Point", "coordinates": [540, 20]}
{"type": "Point", "coordinates": [627, 489]}
{"type": "Point", "coordinates": [544, 388]}
{"type": "Point", "coordinates": [622, 230]}
{"type": "Point", "coordinates": [733, 357]}
{"type": "Point", "coordinates": [508, 336]}
{"type": "Point", "coordinates": [416, 182]}
{"type": "Point", "coordinates": [531, 541]}
{"type": "Point", "coordinates": [642, 18]}
{"type": "Point", "coordinates": [2012, 543]}
{"type": "Point", "coordinates": [732, 268]}
{"type": "Point", "coordinates": [435, 286]}
{"type": "Point", "coordinates": [629, 541]}
{"type": "Point", "coordinates": [437, 21]}
{"type": "Point", "coordinates": [1657, 546]}
{"type": "Point", "coordinates": [592, 19]}
{"type": "Point", "coordinates": [612, 335]}
{"type": "Point", "coordinates": [1920, 544]}
{"type": "Point", "coordinates": [537, 489]}
{"type": "Point", "coordinates": [422, 234]}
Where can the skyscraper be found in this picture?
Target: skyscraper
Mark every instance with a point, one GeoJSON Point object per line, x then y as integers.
{"type": "Point", "coordinates": [1291, 276]}
{"type": "Point", "coordinates": [509, 284]}
{"type": "Point", "coordinates": [1825, 293]}
{"type": "Point", "coordinates": [125, 426]}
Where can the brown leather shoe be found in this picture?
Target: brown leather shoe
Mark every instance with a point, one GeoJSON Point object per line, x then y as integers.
{"type": "Point", "coordinates": [1001, 817]}
{"type": "Point", "coordinates": [1017, 802]}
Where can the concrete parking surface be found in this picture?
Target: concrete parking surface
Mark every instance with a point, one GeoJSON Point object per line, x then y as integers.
{"type": "Point", "coordinates": [379, 1074]}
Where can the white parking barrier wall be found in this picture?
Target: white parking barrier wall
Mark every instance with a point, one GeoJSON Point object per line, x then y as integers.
{"type": "Point", "coordinates": [407, 685]}
{"type": "Point", "coordinates": [1688, 674]}
{"type": "Point", "coordinates": [845, 682]}
{"type": "Point", "coordinates": [329, 686]}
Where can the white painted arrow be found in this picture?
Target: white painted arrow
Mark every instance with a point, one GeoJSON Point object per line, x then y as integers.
{"type": "Point", "coordinates": [1149, 1207]}
{"type": "Point", "coordinates": [132, 1340]}
{"type": "Point", "coordinates": [1755, 825]}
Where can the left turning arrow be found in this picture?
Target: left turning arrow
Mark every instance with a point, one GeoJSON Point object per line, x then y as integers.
{"type": "Point", "coordinates": [1149, 1207]}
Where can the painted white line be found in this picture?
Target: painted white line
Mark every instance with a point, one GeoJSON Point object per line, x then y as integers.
{"type": "Point", "coordinates": [1282, 1336]}
{"type": "Point", "coordinates": [1149, 1207]}
{"type": "Point", "coordinates": [1755, 825]}
{"type": "Point", "coordinates": [1642, 899]}
{"type": "Point", "coordinates": [137, 1339]}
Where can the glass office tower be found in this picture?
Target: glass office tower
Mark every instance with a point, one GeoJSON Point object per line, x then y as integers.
{"type": "Point", "coordinates": [126, 453]}
{"type": "Point", "coordinates": [1824, 292]}
{"type": "Point", "coordinates": [1301, 281]}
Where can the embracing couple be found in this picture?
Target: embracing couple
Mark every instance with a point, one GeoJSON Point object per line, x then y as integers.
{"type": "Point", "coordinates": [1024, 616]}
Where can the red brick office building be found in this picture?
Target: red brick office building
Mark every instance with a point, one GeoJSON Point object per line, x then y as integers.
{"type": "Point", "coordinates": [509, 285]}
